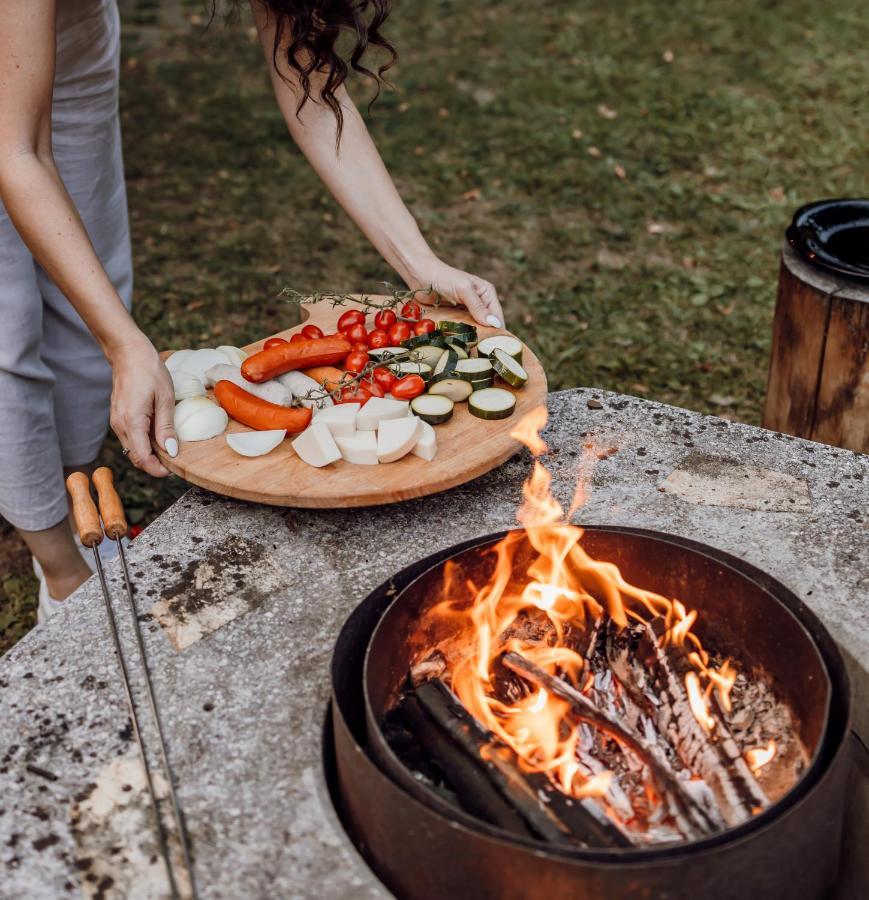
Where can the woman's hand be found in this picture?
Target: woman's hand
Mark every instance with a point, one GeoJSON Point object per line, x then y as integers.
{"type": "Point", "coordinates": [143, 405]}
{"type": "Point", "coordinates": [460, 288]}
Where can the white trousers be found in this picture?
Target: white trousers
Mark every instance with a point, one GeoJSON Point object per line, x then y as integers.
{"type": "Point", "coordinates": [55, 384]}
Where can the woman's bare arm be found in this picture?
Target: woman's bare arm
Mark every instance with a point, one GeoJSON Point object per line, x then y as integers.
{"type": "Point", "coordinates": [359, 181]}
{"type": "Point", "coordinates": [43, 213]}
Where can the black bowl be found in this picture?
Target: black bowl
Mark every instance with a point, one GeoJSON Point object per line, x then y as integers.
{"type": "Point", "coordinates": [833, 234]}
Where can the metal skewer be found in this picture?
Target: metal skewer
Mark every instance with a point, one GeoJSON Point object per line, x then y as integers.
{"type": "Point", "coordinates": [87, 520]}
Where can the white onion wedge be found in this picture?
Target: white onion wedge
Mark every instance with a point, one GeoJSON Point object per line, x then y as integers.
{"type": "Point", "coordinates": [200, 361]}
{"type": "Point", "coordinates": [186, 385]}
{"type": "Point", "coordinates": [175, 360]}
{"type": "Point", "coordinates": [255, 443]}
{"type": "Point", "coordinates": [235, 355]}
{"type": "Point", "coordinates": [199, 419]}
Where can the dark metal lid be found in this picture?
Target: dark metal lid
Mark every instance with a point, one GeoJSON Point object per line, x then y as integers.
{"type": "Point", "coordinates": [833, 234]}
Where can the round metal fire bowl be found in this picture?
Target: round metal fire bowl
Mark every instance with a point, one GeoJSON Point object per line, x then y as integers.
{"type": "Point", "coordinates": [421, 847]}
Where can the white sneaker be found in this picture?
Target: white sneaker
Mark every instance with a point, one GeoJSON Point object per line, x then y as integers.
{"type": "Point", "coordinates": [47, 603]}
{"type": "Point", "coordinates": [108, 550]}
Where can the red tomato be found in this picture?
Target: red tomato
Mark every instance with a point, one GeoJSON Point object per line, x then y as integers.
{"type": "Point", "coordinates": [356, 334]}
{"type": "Point", "coordinates": [274, 342]}
{"type": "Point", "coordinates": [312, 331]}
{"type": "Point", "coordinates": [359, 347]}
{"type": "Point", "coordinates": [378, 339]}
{"type": "Point", "coordinates": [424, 326]}
{"type": "Point", "coordinates": [298, 336]}
{"type": "Point", "coordinates": [384, 378]}
{"type": "Point", "coordinates": [408, 387]}
{"type": "Point", "coordinates": [356, 361]}
{"type": "Point", "coordinates": [374, 389]}
{"type": "Point", "coordinates": [399, 332]}
{"type": "Point", "coordinates": [351, 317]}
{"type": "Point", "coordinates": [411, 310]}
{"type": "Point", "coordinates": [358, 394]}
{"type": "Point", "coordinates": [385, 319]}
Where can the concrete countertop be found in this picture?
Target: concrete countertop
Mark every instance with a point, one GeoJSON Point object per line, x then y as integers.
{"type": "Point", "coordinates": [255, 597]}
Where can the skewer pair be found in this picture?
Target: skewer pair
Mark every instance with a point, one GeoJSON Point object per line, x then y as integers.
{"type": "Point", "coordinates": [91, 530]}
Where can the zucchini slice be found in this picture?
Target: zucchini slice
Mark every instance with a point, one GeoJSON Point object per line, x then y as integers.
{"type": "Point", "coordinates": [423, 340]}
{"type": "Point", "coordinates": [430, 354]}
{"type": "Point", "coordinates": [411, 368]}
{"type": "Point", "coordinates": [461, 350]}
{"type": "Point", "coordinates": [480, 384]}
{"type": "Point", "coordinates": [510, 345]}
{"type": "Point", "coordinates": [478, 367]}
{"type": "Point", "coordinates": [492, 403]}
{"type": "Point", "coordinates": [446, 363]}
{"type": "Point", "coordinates": [508, 368]}
{"type": "Point", "coordinates": [432, 408]}
{"type": "Point", "coordinates": [454, 388]}
{"type": "Point", "coordinates": [447, 327]}
{"type": "Point", "coordinates": [390, 354]}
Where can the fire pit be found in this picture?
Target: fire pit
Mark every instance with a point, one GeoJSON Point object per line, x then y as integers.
{"type": "Point", "coordinates": [613, 712]}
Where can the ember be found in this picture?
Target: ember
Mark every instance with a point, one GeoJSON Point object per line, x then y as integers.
{"type": "Point", "coordinates": [566, 675]}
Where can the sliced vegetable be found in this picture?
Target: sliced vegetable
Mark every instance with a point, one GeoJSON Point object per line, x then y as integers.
{"type": "Point", "coordinates": [480, 384]}
{"type": "Point", "coordinates": [446, 363]}
{"type": "Point", "coordinates": [255, 443]}
{"type": "Point", "coordinates": [186, 385]}
{"type": "Point", "coordinates": [359, 448]}
{"type": "Point", "coordinates": [273, 391]}
{"type": "Point", "coordinates": [257, 413]}
{"type": "Point", "coordinates": [302, 355]}
{"type": "Point", "coordinates": [454, 388]}
{"type": "Point", "coordinates": [408, 387]}
{"type": "Point", "coordinates": [426, 446]}
{"type": "Point", "coordinates": [508, 368]}
{"type": "Point", "coordinates": [461, 350]}
{"type": "Point", "coordinates": [397, 437]}
{"type": "Point", "coordinates": [429, 354]}
{"type": "Point", "coordinates": [199, 419]}
{"type": "Point", "coordinates": [175, 360]}
{"type": "Point", "coordinates": [448, 327]}
{"type": "Point", "coordinates": [492, 403]}
{"type": "Point", "coordinates": [389, 354]}
{"type": "Point", "coordinates": [378, 410]}
{"type": "Point", "coordinates": [200, 361]}
{"type": "Point", "coordinates": [432, 408]}
{"type": "Point", "coordinates": [339, 419]}
{"type": "Point", "coordinates": [234, 355]}
{"type": "Point", "coordinates": [316, 446]}
{"type": "Point", "coordinates": [424, 340]}
{"type": "Point", "coordinates": [510, 345]}
{"type": "Point", "coordinates": [411, 368]}
{"type": "Point", "coordinates": [473, 369]}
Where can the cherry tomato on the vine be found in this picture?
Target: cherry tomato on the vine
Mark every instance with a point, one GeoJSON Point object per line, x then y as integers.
{"type": "Point", "coordinates": [357, 394]}
{"type": "Point", "coordinates": [374, 388]}
{"type": "Point", "coordinates": [356, 361]}
{"type": "Point", "coordinates": [298, 336]}
{"type": "Point", "coordinates": [408, 387]}
{"type": "Point", "coordinates": [274, 342]}
{"type": "Point", "coordinates": [384, 378]}
{"type": "Point", "coordinates": [411, 310]}
{"type": "Point", "coordinates": [356, 334]}
{"type": "Point", "coordinates": [385, 319]}
{"type": "Point", "coordinates": [312, 331]}
{"type": "Point", "coordinates": [424, 326]}
{"type": "Point", "coordinates": [360, 347]}
{"type": "Point", "coordinates": [399, 332]}
{"type": "Point", "coordinates": [351, 317]}
{"type": "Point", "coordinates": [377, 339]}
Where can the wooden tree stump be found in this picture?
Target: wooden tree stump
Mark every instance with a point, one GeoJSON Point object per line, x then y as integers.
{"type": "Point", "coordinates": [818, 386]}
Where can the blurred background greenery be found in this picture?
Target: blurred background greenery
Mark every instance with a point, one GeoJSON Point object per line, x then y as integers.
{"type": "Point", "coordinates": [622, 171]}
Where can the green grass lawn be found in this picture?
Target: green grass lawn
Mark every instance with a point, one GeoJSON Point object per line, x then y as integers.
{"type": "Point", "coordinates": [623, 172]}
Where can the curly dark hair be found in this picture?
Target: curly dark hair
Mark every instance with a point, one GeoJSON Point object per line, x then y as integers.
{"type": "Point", "coordinates": [306, 35]}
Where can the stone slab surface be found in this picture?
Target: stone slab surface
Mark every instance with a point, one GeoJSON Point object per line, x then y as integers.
{"type": "Point", "coordinates": [244, 704]}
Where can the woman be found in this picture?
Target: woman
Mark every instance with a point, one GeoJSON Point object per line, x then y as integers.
{"type": "Point", "coordinates": [68, 342]}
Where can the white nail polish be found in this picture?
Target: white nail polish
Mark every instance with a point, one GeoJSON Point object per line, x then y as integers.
{"type": "Point", "coordinates": [494, 321]}
{"type": "Point", "coordinates": [172, 447]}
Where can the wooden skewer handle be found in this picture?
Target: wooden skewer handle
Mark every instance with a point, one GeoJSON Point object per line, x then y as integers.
{"type": "Point", "coordinates": [84, 510]}
{"type": "Point", "coordinates": [111, 507]}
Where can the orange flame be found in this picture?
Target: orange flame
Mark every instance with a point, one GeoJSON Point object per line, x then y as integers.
{"type": "Point", "coordinates": [563, 588]}
{"type": "Point", "coordinates": [758, 757]}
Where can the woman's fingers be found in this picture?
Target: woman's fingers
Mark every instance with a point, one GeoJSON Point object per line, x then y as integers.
{"type": "Point", "coordinates": [487, 293]}
{"type": "Point", "coordinates": [138, 430]}
{"type": "Point", "coordinates": [164, 428]}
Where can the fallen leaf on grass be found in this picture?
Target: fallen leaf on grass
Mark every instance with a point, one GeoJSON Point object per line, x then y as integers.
{"type": "Point", "coordinates": [777, 195]}
{"type": "Point", "coordinates": [593, 151]}
{"type": "Point", "coordinates": [576, 134]}
{"type": "Point", "coordinates": [472, 194]}
{"type": "Point", "coordinates": [619, 172]}
{"type": "Point", "coordinates": [606, 111]}
{"type": "Point", "coordinates": [668, 56]}
{"type": "Point", "coordinates": [721, 399]}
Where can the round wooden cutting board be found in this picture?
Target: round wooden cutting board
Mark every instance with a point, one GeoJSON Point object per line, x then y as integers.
{"type": "Point", "coordinates": [467, 447]}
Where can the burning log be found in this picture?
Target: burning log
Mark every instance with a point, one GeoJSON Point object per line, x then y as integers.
{"type": "Point", "coordinates": [546, 812]}
{"type": "Point", "coordinates": [708, 749]}
{"type": "Point", "coordinates": [692, 819]}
